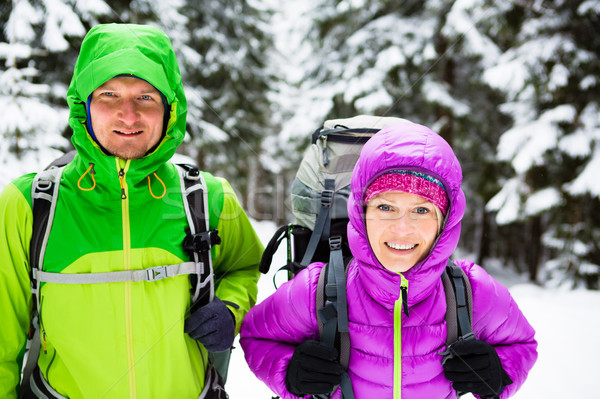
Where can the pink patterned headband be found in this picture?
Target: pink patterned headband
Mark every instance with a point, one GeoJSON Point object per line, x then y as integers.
{"type": "Point", "coordinates": [409, 181]}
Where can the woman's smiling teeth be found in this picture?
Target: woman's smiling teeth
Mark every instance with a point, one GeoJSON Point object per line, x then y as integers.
{"type": "Point", "coordinates": [393, 245]}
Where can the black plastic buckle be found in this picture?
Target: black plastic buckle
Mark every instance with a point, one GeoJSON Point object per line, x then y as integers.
{"type": "Point", "coordinates": [192, 174]}
{"type": "Point", "coordinates": [326, 198]}
{"type": "Point", "coordinates": [201, 242]}
{"type": "Point", "coordinates": [335, 243]}
{"type": "Point", "coordinates": [331, 290]}
{"type": "Point", "coordinates": [191, 171]}
{"type": "Point", "coordinates": [328, 313]}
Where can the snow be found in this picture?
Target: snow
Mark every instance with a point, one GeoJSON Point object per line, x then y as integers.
{"type": "Point", "coordinates": [566, 322]}
{"type": "Point", "coordinates": [542, 201]}
{"type": "Point", "coordinates": [92, 7]}
{"type": "Point", "coordinates": [507, 201]}
{"type": "Point", "coordinates": [590, 6]}
{"type": "Point", "coordinates": [461, 23]}
{"type": "Point", "coordinates": [525, 144]}
{"type": "Point", "coordinates": [436, 93]}
{"type": "Point", "coordinates": [587, 181]}
{"type": "Point", "coordinates": [61, 21]}
{"type": "Point", "coordinates": [19, 27]}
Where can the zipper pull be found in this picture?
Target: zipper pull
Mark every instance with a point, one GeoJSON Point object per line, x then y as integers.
{"type": "Point", "coordinates": [405, 300]}
{"type": "Point", "coordinates": [44, 341]}
{"type": "Point", "coordinates": [122, 181]}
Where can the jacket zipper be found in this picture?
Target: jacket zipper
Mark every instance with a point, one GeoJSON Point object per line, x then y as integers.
{"type": "Point", "coordinates": [41, 325]}
{"type": "Point", "coordinates": [122, 170]}
{"type": "Point", "coordinates": [401, 305]}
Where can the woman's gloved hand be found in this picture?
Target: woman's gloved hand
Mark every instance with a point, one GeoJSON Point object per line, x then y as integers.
{"type": "Point", "coordinates": [474, 366]}
{"type": "Point", "coordinates": [212, 325]}
{"type": "Point", "coordinates": [313, 369]}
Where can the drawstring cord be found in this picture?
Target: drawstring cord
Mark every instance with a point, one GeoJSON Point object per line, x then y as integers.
{"type": "Point", "coordinates": [161, 182]}
{"type": "Point", "coordinates": [89, 170]}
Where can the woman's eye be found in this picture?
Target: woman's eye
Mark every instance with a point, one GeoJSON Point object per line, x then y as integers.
{"type": "Point", "coordinates": [384, 207]}
{"type": "Point", "coordinates": [422, 210]}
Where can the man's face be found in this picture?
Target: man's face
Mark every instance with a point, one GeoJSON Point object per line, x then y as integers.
{"type": "Point", "coordinates": [127, 116]}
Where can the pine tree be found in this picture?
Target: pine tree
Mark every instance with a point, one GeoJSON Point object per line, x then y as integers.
{"type": "Point", "coordinates": [550, 76]}
{"type": "Point", "coordinates": [38, 43]}
{"type": "Point", "coordinates": [423, 61]}
{"type": "Point", "coordinates": [222, 49]}
{"type": "Point", "coordinates": [229, 82]}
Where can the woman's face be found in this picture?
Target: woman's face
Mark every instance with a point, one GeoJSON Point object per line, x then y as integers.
{"type": "Point", "coordinates": [401, 228]}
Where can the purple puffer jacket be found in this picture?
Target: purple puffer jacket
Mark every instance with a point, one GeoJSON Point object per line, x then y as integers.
{"type": "Point", "coordinates": [273, 328]}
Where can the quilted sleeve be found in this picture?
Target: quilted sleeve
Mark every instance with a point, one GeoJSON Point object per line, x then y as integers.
{"type": "Point", "coordinates": [498, 320]}
{"type": "Point", "coordinates": [273, 328]}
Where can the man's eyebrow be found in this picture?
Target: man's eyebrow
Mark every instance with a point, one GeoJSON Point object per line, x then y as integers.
{"type": "Point", "coordinates": [104, 86]}
{"type": "Point", "coordinates": [108, 86]}
{"type": "Point", "coordinates": [152, 91]}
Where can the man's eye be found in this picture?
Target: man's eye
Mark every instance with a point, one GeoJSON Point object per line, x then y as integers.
{"type": "Point", "coordinates": [108, 93]}
{"type": "Point", "coordinates": [146, 97]}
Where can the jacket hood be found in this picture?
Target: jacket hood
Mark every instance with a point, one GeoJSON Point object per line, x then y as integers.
{"type": "Point", "coordinates": [126, 49]}
{"type": "Point", "coordinates": [413, 147]}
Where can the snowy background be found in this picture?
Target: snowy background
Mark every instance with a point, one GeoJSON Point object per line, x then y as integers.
{"type": "Point", "coordinates": [567, 324]}
{"type": "Point", "coordinates": [512, 84]}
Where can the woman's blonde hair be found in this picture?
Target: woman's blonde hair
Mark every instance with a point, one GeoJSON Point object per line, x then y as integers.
{"type": "Point", "coordinates": [440, 218]}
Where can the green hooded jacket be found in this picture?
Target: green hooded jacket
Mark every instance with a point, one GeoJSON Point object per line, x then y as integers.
{"type": "Point", "coordinates": [126, 339]}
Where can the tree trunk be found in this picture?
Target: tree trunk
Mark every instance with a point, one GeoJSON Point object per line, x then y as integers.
{"type": "Point", "coordinates": [279, 199]}
{"type": "Point", "coordinates": [484, 237]}
{"type": "Point", "coordinates": [535, 248]}
{"type": "Point", "coordinates": [251, 189]}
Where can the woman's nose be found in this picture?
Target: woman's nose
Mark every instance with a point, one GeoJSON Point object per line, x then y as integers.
{"type": "Point", "coordinates": [402, 221]}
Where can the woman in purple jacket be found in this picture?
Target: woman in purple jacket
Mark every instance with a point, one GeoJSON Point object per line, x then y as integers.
{"type": "Point", "coordinates": [405, 216]}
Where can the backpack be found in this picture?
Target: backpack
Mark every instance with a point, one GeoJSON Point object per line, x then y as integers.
{"type": "Point", "coordinates": [319, 197]}
{"type": "Point", "coordinates": [197, 243]}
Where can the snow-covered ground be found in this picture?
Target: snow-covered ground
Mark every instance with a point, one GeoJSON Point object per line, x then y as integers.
{"type": "Point", "coordinates": [567, 324]}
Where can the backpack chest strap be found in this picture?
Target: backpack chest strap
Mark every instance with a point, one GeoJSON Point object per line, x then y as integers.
{"type": "Point", "coordinates": [150, 274]}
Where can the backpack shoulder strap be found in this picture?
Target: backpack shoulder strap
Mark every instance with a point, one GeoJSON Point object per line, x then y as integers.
{"type": "Point", "coordinates": [332, 309]}
{"type": "Point", "coordinates": [44, 195]}
{"type": "Point", "coordinates": [322, 224]}
{"type": "Point", "coordinates": [199, 237]}
{"type": "Point", "coordinates": [459, 303]}
{"type": "Point", "coordinates": [63, 160]}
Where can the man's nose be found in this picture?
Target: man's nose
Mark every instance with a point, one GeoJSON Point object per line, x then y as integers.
{"type": "Point", "coordinates": [128, 112]}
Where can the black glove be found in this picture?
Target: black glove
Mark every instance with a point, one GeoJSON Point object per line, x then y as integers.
{"type": "Point", "coordinates": [474, 366]}
{"type": "Point", "coordinates": [212, 325]}
{"type": "Point", "coordinates": [314, 369]}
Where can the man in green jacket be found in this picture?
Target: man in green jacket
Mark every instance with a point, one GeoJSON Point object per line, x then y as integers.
{"type": "Point", "coordinates": [119, 208]}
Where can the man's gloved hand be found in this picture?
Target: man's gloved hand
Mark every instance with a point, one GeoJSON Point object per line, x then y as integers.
{"type": "Point", "coordinates": [474, 366]}
{"type": "Point", "coordinates": [313, 369]}
{"type": "Point", "coordinates": [212, 325]}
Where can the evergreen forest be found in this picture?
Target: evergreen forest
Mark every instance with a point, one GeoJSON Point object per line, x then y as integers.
{"type": "Point", "coordinates": [512, 85]}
